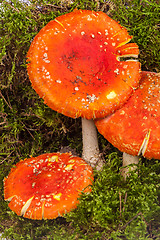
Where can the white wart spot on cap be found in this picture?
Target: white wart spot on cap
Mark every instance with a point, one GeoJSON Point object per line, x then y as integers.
{"type": "Point", "coordinates": [111, 95]}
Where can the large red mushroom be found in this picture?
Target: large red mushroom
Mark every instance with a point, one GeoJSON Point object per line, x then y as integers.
{"type": "Point", "coordinates": [135, 128]}
{"type": "Point", "coordinates": [76, 64]}
{"type": "Point", "coordinates": [47, 186]}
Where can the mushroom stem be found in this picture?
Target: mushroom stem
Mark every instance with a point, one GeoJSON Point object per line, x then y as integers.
{"type": "Point", "coordinates": [127, 160]}
{"type": "Point", "coordinates": [90, 152]}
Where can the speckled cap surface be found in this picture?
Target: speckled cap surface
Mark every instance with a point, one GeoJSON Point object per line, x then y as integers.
{"type": "Point", "coordinates": [135, 128]}
{"type": "Point", "coordinates": [75, 63]}
{"type": "Point", "coordinates": [47, 186]}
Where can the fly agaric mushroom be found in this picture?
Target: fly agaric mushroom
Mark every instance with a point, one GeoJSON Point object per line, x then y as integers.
{"type": "Point", "coordinates": [135, 128]}
{"type": "Point", "coordinates": [47, 186]}
{"type": "Point", "coordinates": [76, 66]}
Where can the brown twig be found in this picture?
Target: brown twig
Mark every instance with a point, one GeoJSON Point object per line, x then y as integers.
{"type": "Point", "coordinates": [27, 129]}
{"type": "Point", "coordinates": [52, 5]}
{"type": "Point", "coordinates": [120, 204]}
{"type": "Point", "coordinates": [6, 157]}
{"type": "Point", "coordinates": [138, 214]}
{"type": "Point", "coordinates": [5, 100]}
{"type": "Point", "coordinates": [125, 199]}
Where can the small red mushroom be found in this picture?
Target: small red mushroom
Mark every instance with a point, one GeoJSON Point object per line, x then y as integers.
{"type": "Point", "coordinates": [135, 128]}
{"type": "Point", "coordinates": [76, 66]}
{"type": "Point", "coordinates": [47, 186]}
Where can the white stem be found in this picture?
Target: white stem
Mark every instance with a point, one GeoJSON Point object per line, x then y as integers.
{"type": "Point", "coordinates": [90, 144]}
{"type": "Point", "coordinates": [127, 160]}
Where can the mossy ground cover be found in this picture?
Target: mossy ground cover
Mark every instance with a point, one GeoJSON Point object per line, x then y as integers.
{"type": "Point", "coordinates": [115, 209]}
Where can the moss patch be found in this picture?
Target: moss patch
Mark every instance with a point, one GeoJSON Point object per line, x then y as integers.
{"type": "Point", "coordinates": [114, 209]}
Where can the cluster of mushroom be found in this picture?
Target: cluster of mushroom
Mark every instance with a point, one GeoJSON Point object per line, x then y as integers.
{"type": "Point", "coordinates": [79, 64]}
{"type": "Point", "coordinates": [76, 65]}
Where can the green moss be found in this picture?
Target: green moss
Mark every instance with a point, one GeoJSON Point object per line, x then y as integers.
{"type": "Point", "coordinates": [29, 127]}
{"type": "Point", "coordinates": [123, 208]}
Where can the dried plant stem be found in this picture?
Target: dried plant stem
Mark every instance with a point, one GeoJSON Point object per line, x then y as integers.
{"type": "Point", "coordinates": [138, 214]}
{"type": "Point", "coordinates": [120, 203]}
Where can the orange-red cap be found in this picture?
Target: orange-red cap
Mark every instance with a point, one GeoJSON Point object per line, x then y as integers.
{"type": "Point", "coordinates": [47, 186]}
{"type": "Point", "coordinates": [135, 128]}
{"type": "Point", "coordinates": [76, 66]}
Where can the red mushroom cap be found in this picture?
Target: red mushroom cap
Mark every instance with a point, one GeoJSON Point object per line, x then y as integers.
{"type": "Point", "coordinates": [47, 186]}
{"type": "Point", "coordinates": [135, 128]}
{"type": "Point", "coordinates": [75, 64]}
